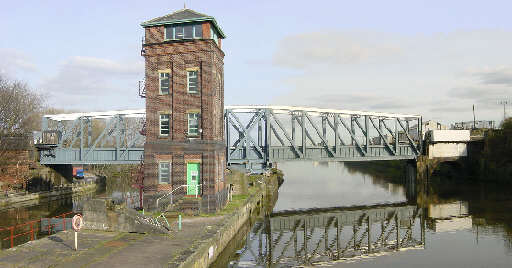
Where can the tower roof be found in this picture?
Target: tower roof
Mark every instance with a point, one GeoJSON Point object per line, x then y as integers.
{"type": "Point", "coordinates": [183, 16]}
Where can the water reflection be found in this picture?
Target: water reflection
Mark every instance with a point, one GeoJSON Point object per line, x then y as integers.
{"type": "Point", "coordinates": [20, 215]}
{"type": "Point", "coordinates": [337, 234]}
{"type": "Point", "coordinates": [326, 215]}
{"type": "Point", "coordinates": [320, 185]}
{"type": "Point", "coordinates": [449, 217]}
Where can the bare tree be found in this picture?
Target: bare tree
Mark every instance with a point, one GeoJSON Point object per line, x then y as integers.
{"type": "Point", "coordinates": [20, 113]}
{"type": "Point", "coordinates": [20, 108]}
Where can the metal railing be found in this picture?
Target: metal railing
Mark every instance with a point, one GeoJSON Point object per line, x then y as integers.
{"type": "Point", "coordinates": [31, 228]}
{"type": "Point", "coordinates": [170, 195]}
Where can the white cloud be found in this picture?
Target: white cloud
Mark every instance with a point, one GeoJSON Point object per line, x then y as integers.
{"type": "Point", "coordinates": [109, 67]}
{"type": "Point", "coordinates": [331, 48]}
{"type": "Point", "coordinates": [86, 83]}
{"type": "Point", "coordinates": [14, 61]}
{"type": "Point", "coordinates": [439, 76]}
{"type": "Point", "coordinates": [501, 75]}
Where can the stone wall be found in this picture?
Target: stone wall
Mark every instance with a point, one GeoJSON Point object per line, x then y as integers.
{"type": "Point", "coordinates": [55, 194]}
{"type": "Point", "coordinates": [15, 170]}
{"type": "Point", "coordinates": [102, 214]}
{"type": "Point", "coordinates": [206, 253]}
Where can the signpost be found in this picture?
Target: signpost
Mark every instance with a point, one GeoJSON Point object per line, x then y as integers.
{"type": "Point", "coordinates": [76, 223]}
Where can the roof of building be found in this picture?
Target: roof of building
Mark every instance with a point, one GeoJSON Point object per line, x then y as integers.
{"type": "Point", "coordinates": [183, 16]}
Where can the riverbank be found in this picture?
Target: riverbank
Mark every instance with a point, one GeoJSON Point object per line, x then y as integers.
{"type": "Point", "coordinates": [58, 192]}
{"type": "Point", "coordinates": [199, 242]}
{"type": "Point", "coordinates": [495, 160]}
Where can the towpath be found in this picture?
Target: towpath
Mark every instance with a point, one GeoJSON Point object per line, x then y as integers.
{"type": "Point", "coordinates": [109, 249]}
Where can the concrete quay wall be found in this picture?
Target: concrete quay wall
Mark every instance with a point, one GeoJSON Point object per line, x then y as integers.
{"type": "Point", "coordinates": [207, 251]}
{"type": "Point", "coordinates": [57, 193]}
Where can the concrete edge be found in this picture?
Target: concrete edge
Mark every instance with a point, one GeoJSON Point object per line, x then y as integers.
{"type": "Point", "coordinates": [211, 248]}
{"type": "Point", "coordinates": [43, 196]}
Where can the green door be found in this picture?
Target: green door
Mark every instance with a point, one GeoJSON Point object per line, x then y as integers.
{"type": "Point", "coordinates": [192, 178]}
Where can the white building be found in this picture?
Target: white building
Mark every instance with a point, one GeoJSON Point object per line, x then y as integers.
{"type": "Point", "coordinates": [426, 126]}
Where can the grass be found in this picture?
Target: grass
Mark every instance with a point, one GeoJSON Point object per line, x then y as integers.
{"type": "Point", "coordinates": [237, 201]}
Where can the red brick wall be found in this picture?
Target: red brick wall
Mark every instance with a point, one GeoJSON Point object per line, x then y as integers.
{"type": "Point", "coordinates": [209, 147]}
{"type": "Point", "coordinates": [16, 168]}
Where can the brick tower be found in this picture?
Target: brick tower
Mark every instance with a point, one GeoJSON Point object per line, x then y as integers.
{"type": "Point", "coordinates": [184, 107]}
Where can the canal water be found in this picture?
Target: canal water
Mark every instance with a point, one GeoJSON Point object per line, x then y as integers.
{"type": "Point", "coordinates": [359, 215]}
{"type": "Point", "coordinates": [21, 216]}
{"type": "Point", "coordinates": [117, 186]}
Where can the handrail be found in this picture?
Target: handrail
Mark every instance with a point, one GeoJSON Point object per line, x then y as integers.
{"type": "Point", "coordinates": [171, 193]}
{"type": "Point", "coordinates": [167, 194]}
{"type": "Point", "coordinates": [12, 234]}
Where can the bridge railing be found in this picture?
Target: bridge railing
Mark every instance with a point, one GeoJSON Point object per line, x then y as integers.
{"type": "Point", "coordinates": [93, 138]}
{"type": "Point", "coordinates": [255, 136]}
{"type": "Point", "coordinates": [258, 135]}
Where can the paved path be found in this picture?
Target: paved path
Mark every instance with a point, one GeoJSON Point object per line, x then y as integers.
{"type": "Point", "coordinates": [108, 249]}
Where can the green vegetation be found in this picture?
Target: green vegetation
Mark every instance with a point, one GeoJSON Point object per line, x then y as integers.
{"type": "Point", "coordinates": [496, 160]}
{"type": "Point", "coordinates": [238, 201]}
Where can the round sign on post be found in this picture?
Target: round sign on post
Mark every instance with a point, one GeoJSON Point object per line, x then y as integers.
{"type": "Point", "coordinates": [76, 223]}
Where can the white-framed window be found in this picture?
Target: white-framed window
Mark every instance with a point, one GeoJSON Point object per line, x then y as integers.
{"type": "Point", "coordinates": [164, 124]}
{"type": "Point", "coordinates": [187, 31]}
{"type": "Point", "coordinates": [213, 35]}
{"type": "Point", "coordinates": [192, 85]}
{"type": "Point", "coordinates": [198, 31]}
{"type": "Point", "coordinates": [164, 82]}
{"type": "Point", "coordinates": [168, 33]}
{"type": "Point", "coordinates": [193, 124]}
{"type": "Point", "coordinates": [164, 172]}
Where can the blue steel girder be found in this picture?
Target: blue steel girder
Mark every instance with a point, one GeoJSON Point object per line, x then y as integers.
{"type": "Point", "coordinates": [94, 138]}
{"type": "Point", "coordinates": [262, 135]}
{"type": "Point", "coordinates": [321, 139]}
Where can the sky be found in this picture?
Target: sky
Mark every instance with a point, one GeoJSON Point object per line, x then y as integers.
{"type": "Point", "coordinates": [433, 58]}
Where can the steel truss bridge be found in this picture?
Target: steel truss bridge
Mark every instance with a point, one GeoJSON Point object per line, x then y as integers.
{"type": "Point", "coordinates": [255, 136]}
{"type": "Point", "coordinates": [112, 137]}
{"type": "Point", "coordinates": [259, 135]}
{"type": "Point", "coordinates": [308, 237]}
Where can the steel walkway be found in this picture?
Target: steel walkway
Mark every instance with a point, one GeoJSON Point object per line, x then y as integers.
{"type": "Point", "coordinates": [255, 136]}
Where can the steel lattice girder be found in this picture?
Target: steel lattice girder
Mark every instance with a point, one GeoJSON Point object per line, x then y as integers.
{"type": "Point", "coordinates": [323, 135]}
{"type": "Point", "coordinates": [255, 136]}
{"type": "Point", "coordinates": [93, 138]}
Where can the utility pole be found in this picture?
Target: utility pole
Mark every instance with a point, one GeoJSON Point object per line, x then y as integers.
{"type": "Point", "coordinates": [474, 118]}
{"type": "Point", "coordinates": [504, 103]}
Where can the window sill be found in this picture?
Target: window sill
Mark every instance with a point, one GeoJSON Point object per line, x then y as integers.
{"type": "Point", "coordinates": [193, 93]}
{"type": "Point", "coordinates": [194, 38]}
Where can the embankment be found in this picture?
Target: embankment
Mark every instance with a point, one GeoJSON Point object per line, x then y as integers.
{"type": "Point", "coordinates": [265, 190]}
{"type": "Point", "coordinates": [495, 161]}
{"type": "Point", "coordinates": [22, 200]}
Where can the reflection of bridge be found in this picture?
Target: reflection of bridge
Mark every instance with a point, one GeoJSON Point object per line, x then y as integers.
{"type": "Point", "coordinates": [255, 136]}
{"type": "Point", "coordinates": [334, 234]}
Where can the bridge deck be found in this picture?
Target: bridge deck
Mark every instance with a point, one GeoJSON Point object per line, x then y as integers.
{"type": "Point", "coordinates": [255, 136]}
